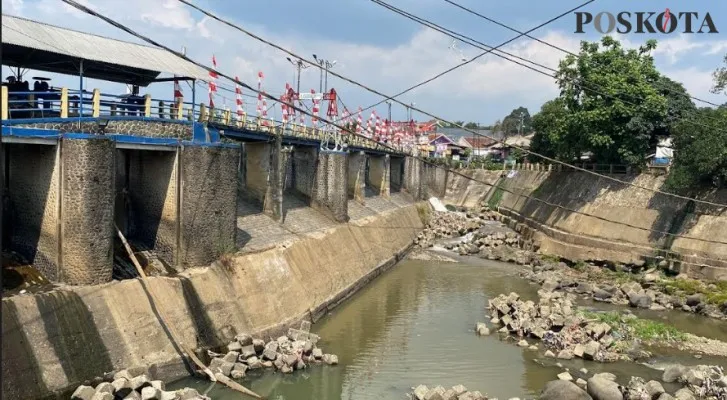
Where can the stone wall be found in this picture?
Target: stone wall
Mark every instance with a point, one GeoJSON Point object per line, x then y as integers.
{"type": "Point", "coordinates": [330, 192]}
{"type": "Point", "coordinates": [208, 226]}
{"type": "Point", "coordinates": [54, 341]}
{"type": "Point", "coordinates": [413, 178]}
{"type": "Point", "coordinates": [257, 168]}
{"type": "Point", "coordinates": [156, 129]}
{"type": "Point", "coordinates": [436, 180]}
{"type": "Point", "coordinates": [356, 175]}
{"type": "Point", "coordinates": [305, 160]}
{"type": "Point", "coordinates": [641, 218]}
{"type": "Point", "coordinates": [87, 211]}
{"type": "Point", "coordinates": [32, 221]}
{"type": "Point", "coordinates": [379, 174]}
{"type": "Point", "coordinates": [152, 201]}
{"type": "Point", "coordinates": [396, 168]}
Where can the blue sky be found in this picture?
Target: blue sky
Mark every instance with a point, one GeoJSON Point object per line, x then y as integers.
{"type": "Point", "coordinates": [388, 52]}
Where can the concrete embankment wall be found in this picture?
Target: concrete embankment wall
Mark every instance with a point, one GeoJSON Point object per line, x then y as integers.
{"type": "Point", "coordinates": [576, 236]}
{"type": "Point", "coordinates": [53, 341]}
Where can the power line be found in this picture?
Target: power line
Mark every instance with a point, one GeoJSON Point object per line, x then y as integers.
{"type": "Point", "coordinates": [478, 44]}
{"type": "Point", "coordinates": [439, 75]}
{"type": "Point", "coordinates": [558, 47]}
{"type": "Point", "coordinates": [150, 41]}
{"type": "Point", "coordinates": [555, 161]}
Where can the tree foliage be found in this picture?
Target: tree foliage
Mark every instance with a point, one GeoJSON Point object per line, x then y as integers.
{"type": "Point", "coordinates": [700, 156]}
{"type": "Point", "coordinates": [511, 123]}
{"type": "Point", "coordinates": [613, 103]}
{"type": "Point", "coordinates": [720, 78]}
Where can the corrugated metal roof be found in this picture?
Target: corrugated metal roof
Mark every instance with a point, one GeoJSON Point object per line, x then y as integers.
{"type": "Point", "coordinates": [40, 36]}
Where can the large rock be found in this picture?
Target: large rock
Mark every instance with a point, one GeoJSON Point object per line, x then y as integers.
{"type": "Point", "coordinates": [605, 375]}
{"type": "Point", "coordinates": [150, 393]}
{"type": "Point", "coordinates": [247, 352]}
{"type": "Point", "coordinates": [140, 382]}
{"type": "Point", "coordinates": [258, 345]}
{"type": "Point", "coordinates": [673, 372]}
{"type": "Point", "coordinates": [604, 389]}
{"type": "Point", "coordinates": [665, 396]}
{"type": "Point", "coordinates": [590, 351]}
{"type": "Point", "coordinates": [694, 377]}
{"type": "Point", "coordinates": [83, 393]}
{"type": "Point", "coordinates": [654, 389]}
{"type": "Point", "coordinates": [436, 393]}
{"type": "Point", "coordinates": [563, 390]}
{"type": "Point", "coordinates": [694, 300]}
{"type": "Point", "coordinates": [565, 354]}
{"type": "Point", "coordinates": [639, 299]}
{"type": "Point", "coordinates": [420, 391]}
{"type": "Point", "coordinates": [684, 394]}
{"type": "Point", "coordinates": [601, 294]}
{"type": "Point", "coordinates": [482, 329]}
{"type": "Point", "coordinates": [244, 339]}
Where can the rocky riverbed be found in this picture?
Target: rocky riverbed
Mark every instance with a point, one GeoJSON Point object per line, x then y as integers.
{"type": "Point", "coordinates": [566, 332]}
{"type": "Point", "coordinates": [286, 354]}
{"type": "Point", "coordinates": [124, 385]}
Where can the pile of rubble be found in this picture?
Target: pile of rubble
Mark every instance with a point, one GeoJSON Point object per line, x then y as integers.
{"type": "Point", "coordinates": [458, 392]}
{"type": "Point", "coordinates": [286, 354]}
{"type": "Point", "coordinates": [495, 242]}
{"type": "Point", "coordinates": [125, 386]}
{"type": "Point", "coordinates": [644, 294]}
{"type": "Point", "coordinates": [445, 225]}
{"type": "Point", "coordinates": [554, 321]}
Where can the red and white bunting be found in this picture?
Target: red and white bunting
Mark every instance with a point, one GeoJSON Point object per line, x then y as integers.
{"type": "Point", "coordinates": [316, 108]}
{"type": "Point", "coordinates": [359, 121]}
{"type": "Point", "coordinates": [178, 96]}
{"type": "Point", "coordinates": [370, 125]}
{"type": "Point", "coordinates": [238, 100]}
{"type": "Point", "coordinates": [346, 119]}
{"type": "Point", "coordinates": [284, 99]}
{"type": "Point", "coordinates": [260, 94]}
{"type": "Point", "coordinates": [377, 129]}
{"type": "Point", "coordinates": [213, 82]}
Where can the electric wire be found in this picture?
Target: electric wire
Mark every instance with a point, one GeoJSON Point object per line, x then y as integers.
{"type": "Point", "coordinates": [152, 42]}
{"type": "Point", "coordinates": [550, 159]}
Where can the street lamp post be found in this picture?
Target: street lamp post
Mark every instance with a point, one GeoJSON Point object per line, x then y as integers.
{"type": "Point", "coordinates": [325, 65]}
{"type": "Point", "coordinates": [299, 65]}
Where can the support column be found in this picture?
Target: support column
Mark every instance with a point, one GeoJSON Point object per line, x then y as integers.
{"type": "Point", "coordinates": [396, 173]}
{"type": "Point", "coordinates": [413, 178]}
{"type": "Point", "coordinates": [87, 210]}
{"type": "Point", "coordinates": [436, 180]}
{"type": "Point", "coordinates": [330, 189]}
{"type": "Point", "coordinates": [208, 217]}
{"type": "Point", "coordinates": [379, 173]}
{"type": "Point", "coordinates": [264, 174]}
{"type": "Point", "coordinates": [356, 176]}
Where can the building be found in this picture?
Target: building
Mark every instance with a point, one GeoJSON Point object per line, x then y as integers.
{"type": "Point", "coordinates": [442, 146]}
{"type": "Point", "coordinates": [479, 146]}
{"type": "Point", "coordinates": [501, 151]}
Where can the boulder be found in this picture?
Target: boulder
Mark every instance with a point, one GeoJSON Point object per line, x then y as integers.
{"type": "Point", "coordinates": [123, 374]}
{"type": "Point", "coordinates": [694, 300]}
{"type": "Point", "coordinates": [549, 354]}
{"type": "Point", "coordinates": [140, 382]}
{"type": "Point", "coordinates": [459, 389]}
{"type": "Point", "coordinates": [188, 394]}
{"type": "Point", "coordinates": [581, 383]}
{"type": "Point", "coordinates": [317, 353]}
{"type": "Point", "coordinates": [630, 287]}
{"type": "Point", "coordinates": [673, 372]}
{"type": "Point", "coordinates": [330, 359]}
{"type": "Point", "coordinates": [133, 395]}
{"type": "Point", "coordinates": [105, 387]}
{"type": "Point", "coordinates": [694, 377]}
{"type": "Point", "coordinates": [449, 394]}
{"type": "Point", "coordinates": [234, 346]}
{"type": "Point", "coordinates": [565, 354]}
{"type": "Point", "coordinates": [83, 392]}
{"type": "Point", "coordinates": [231, 356]}
{"type": "Point", "coordinates": [563, 390]}
{"type": "Point", "coordinates": [604, 389]}
{"type": "Point", "coordinates": [254, 363]}
{"type": "Point", "coordinates": [665, 396]}
{"type": "Point", "coordinates": [579, 350]}
{"type": "Point", "coordinates": [270, 354]}
{"type": "Point", "coordinates": [244, 339]}
{"type": "Point", "coordinates": [565, 376]}
{"type": "Point", "coordinates": [639, 299]}
{"type": "Point", "coordinates": [550, 285]}
{"type": "Point", "coordinates": [482, 329]}
{"type": "Point", "coordinates": [219, 365]}
{"type": "Point", "coordinates": [523, 343]}
{"type": "Point", "coordinates": [436, 393]}
{"type": "Point", "coordinates": [591, 349]}
{"type": "Point", "coordinates": [290, 359]}
{"type": "Point", "coordinates": [150, 393]}
{"type": "Point", "coordinates": [583, 288]}
{"type": "Point", "coordinates": [654, 389]}
{"type": "Point", "coordinates": [605, 375]}
{"type": "Point", "coordinates": [420, 391]}
{"type": "Point", "coordinates": [684, 394]}
{"type": "Point", "coordinates": [601, 294]}
{"type": "Point", "coordinates": [258, 345]}
{"type": "Point", "coordinates": [247, 352]}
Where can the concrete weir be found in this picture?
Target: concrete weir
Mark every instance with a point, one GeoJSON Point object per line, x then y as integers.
{"type": "Point", "coordinates": [54, 341]}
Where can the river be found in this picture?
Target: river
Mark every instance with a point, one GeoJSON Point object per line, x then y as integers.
{"type": "Point", "coordinates": [415, 325]}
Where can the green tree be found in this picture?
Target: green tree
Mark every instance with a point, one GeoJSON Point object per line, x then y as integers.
{"type": "Point", "coordinates": [511, 122]}
{"type": "Point", "coordinates": [550, 129]}
{"type": "Point", "coordinates": [471, 125]}
{"type": "Point", "coordinates": [678, 106]}
{"type": "Point", "coordinates": [700, 151]}
{"type": "Point", "coordinates": [720, 78]}
{"type": "Point", "coordinates": [614, 106]}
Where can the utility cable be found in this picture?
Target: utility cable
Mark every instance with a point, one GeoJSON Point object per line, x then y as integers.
{"type": "Point", "coordinates": [469, 10]}
{"type": "Point", "coordinates": [552, 160]}
{"type": "Point", "coordinates": [439, 75]}
{"type": "Point", "coordinates": [152, 42]}
{"type": "Point", "coordinates": [478, 44]}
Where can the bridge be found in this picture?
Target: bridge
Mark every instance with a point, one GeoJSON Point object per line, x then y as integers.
{"type": "Point", "coordinates": [170, 174]}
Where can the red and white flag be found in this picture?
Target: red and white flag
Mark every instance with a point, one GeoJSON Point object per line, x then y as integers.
{"type": "Point", "coordinates": [316, 108]}
{"type": "Point", "coordinates": [370, 125]}
{"type": "Point", "coordinates": [359, 121]}
{"type": "Point", "coordinates": [213, 82]}
{"type": "Point", "coordinates": [238, 100]}
{"type": "Point", "coordinates": [260, 94]}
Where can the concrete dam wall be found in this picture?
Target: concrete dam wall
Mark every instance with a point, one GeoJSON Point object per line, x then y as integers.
{"type": "Point", "coordinates": [56, 340]}
{"type": "Point", "coordinates": [576, 236]}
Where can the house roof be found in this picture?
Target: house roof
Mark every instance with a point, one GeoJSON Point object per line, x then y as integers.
{"type": "Point", "coordinates": [477, 142]}
{"type": "Point", "coordinates": [39, 46]}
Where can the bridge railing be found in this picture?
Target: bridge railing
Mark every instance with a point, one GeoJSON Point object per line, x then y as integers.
{"type": "Point", "coordinates": [68, 103]}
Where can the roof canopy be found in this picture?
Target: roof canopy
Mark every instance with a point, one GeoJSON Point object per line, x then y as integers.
{"type": "Point", "coordinates": [35, 45]}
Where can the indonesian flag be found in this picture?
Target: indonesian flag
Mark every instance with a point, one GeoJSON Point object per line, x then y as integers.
{"type": "Point", "coordinates": [213, 82]}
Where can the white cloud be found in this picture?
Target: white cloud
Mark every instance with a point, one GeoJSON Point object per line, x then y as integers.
{"type": "Point", "coordinates": [482, 91]}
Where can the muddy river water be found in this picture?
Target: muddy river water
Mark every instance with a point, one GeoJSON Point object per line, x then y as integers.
{"type": "Point", "coordinates": [415, 325]}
